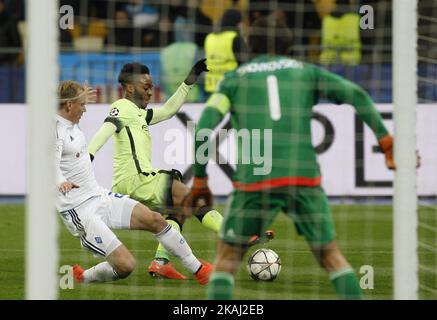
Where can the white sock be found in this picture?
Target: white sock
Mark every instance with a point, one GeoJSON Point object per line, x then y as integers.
{"type": "Point", "coordinates": [174, 242]}
{"type": "Point", "coordinates": [103, 272]}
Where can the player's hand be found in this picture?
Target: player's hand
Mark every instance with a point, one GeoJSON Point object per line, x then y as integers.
{"type": "Point", "coordinates": [67, 186]}
{"type": "Point", "coordinates": [91, 93]}
{"type": "Point", "coordinates": [386, 144]}
{"type": "Point", "coordinates": [199, 191]}
{"type": "Point", "coordinates": [196, 71]}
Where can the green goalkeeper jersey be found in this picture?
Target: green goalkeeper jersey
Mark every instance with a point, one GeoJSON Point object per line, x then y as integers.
{"type": "Point", "coordinates": [276, 94]}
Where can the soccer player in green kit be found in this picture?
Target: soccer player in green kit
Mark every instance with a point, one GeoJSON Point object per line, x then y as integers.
{"type": "Point", "coordinates": [128, 123]}
{"type": "Point", "coordinates": [273, 91]}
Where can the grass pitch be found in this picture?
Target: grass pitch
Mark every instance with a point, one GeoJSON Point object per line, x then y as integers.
{"type": "Point", "coordinates": [364, 234]}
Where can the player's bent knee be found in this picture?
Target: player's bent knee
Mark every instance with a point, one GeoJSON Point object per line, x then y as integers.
{"type": "Point", "coordinates": [125, 267]}
{"type": "Point", "coordinates": [122, 261]}
{"type": "Point", "coordinates": [145, 219]}
{"type": "Point", "coordinates": [157, 222]}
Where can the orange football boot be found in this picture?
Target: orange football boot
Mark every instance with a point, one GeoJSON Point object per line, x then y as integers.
{"type": "Point", "coordinates": [166, 270]}
{"type": "Point", "coordinates": [78, 273]}
{"type": "Point", "coordinates": [202, 276]}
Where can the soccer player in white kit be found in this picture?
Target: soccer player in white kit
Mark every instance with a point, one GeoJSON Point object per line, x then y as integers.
{"type": "Point", "coordinates": [90, 211]}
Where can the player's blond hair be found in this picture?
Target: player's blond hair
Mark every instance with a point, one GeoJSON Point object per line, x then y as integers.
{"type": "Point", "coordinates": [68, 90]}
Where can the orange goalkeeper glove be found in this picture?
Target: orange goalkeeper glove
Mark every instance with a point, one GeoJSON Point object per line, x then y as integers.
{"type": "Point", "coordinates": [199, 191]}
{"type": "Point", "coordinates": [386, 144]}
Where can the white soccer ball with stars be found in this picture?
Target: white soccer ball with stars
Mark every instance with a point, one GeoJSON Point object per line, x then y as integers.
{"type": "Point", "coordinates": [264, 264]}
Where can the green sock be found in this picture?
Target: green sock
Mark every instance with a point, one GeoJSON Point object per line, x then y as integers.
{"type": "Point", "coordinates": [161, 252]}
{"type": "Point", "coordinates": [212, 220]}
{"type": "Point", "coordinates": [220, 286]}
{"type": "Point", "coordinates": [346, 284]}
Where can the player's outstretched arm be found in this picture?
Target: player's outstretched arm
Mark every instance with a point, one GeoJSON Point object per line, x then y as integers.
{"type": "Point", "coordinates": [340, 90]}
{"type": "Point", "coordinates": [195, 72]}
{"type": "Point", "coordinates": [210, 118]}
{"type": "Point", "coordinates": [101, 137]}
{"type": "Point", "coordinates": [217, 106]}
{"type": "Point", "coordinates": [172, 105]}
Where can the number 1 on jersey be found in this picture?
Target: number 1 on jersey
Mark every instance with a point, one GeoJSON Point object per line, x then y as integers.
{"type": "Point", "coordinates": [273, 93]}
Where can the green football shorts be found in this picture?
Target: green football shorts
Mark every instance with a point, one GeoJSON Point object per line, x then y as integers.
{"type": "Point", "coordinates": [251, 213]}
{"type": "Point", "coordinates": [153, 189]}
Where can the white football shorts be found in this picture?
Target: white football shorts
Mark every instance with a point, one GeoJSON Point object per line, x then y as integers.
{"type": "Point", "coordinates": [93, 220]}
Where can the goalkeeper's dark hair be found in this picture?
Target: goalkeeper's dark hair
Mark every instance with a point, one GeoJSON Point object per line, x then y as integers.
{"type": "Point", "coordinates": [269, 35]}
{"type": "Point", "coordinates": [130, 70]}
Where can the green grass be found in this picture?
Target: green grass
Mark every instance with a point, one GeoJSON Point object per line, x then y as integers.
{"type": "Point", "coordinates": [364, 235]}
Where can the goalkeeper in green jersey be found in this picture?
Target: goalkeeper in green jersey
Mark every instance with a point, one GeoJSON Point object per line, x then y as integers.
{"type": "Point", "coordinates": [274, 92]}
{"type": "Point", "coordinates": [128, 123]}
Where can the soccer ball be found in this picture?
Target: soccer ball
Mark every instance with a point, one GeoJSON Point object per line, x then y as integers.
{"type": "Point", "coordinates": [264, 264]}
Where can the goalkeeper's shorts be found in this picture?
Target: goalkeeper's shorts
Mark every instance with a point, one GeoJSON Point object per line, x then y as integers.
{"type": "Point", "coordinates": [153, 189]}
{"type": "Point", "coordinates": [251, 213]}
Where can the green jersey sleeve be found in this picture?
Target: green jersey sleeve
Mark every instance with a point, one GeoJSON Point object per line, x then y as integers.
{"type": "Point", "coordinates": [340, 90]}
{"type": "Point", "coordinates": [216, 108]}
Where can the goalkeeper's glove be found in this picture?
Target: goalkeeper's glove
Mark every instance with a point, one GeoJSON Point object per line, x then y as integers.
{"type": "Point", "coordinates": [196, 70]}
{"type": "Point", "coordinates": [386, 144]}
{"type": "Point", "coordinates": [198, 191]}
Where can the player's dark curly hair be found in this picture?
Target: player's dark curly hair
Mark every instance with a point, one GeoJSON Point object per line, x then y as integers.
{"type": "Point", "coordinates": [129, 70]}
{"type": "Point", "coordinates": [269, 35]}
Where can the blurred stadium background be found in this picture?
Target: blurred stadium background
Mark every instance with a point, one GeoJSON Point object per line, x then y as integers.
{"type": "Point", "coordinates": [107, 33]}
{"type": "Point", "coordinates": [167, 36]}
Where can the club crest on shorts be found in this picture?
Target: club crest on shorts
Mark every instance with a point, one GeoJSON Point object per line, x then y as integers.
{"type": "Point", "coordinates": [98, 239]}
